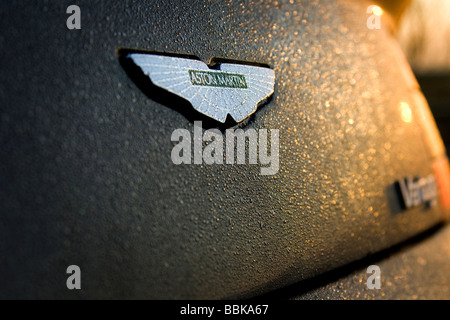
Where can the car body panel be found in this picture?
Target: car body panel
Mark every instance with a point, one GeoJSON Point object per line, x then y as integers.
{"type": "Point", "coordinates": [86, 168]}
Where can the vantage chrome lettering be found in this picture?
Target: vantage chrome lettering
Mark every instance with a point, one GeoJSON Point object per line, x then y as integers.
{"type": "Point", "coordinates": [417, 191]}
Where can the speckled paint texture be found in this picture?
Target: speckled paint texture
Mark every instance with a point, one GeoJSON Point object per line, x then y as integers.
{"type": "Point", "coordinates": [87, 177]}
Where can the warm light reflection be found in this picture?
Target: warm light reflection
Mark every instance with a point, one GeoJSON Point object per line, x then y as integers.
{"type": "Point", "coordinates": [406, 112]}
{"type": "Point", "coordinates": [423, 34]}
{"type": "Point", "coordinates": [376, 10]}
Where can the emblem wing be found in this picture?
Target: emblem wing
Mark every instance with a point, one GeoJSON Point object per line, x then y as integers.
{"type": "Point", "coordinates": [215, 101]}
{"type": "Point", "coordinates": [260, 85]}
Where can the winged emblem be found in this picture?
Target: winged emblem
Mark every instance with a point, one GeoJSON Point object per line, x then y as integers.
{"type": "Point", "coordinates": [233, 89]}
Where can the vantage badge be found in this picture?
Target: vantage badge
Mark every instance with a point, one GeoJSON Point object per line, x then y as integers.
{"type": "Point", "coordinates": [418, 191]}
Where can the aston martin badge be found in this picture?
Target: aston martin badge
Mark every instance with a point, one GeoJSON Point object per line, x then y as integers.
{"type": "Point", "coordinates": [234, 89]}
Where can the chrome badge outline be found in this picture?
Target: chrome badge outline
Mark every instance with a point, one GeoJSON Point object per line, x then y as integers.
{"type": "Point", "coordinates": [234, 89]}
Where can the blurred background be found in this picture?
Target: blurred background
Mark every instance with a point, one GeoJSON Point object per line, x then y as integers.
{"type": "Point", "coordinates": [423, 32]}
